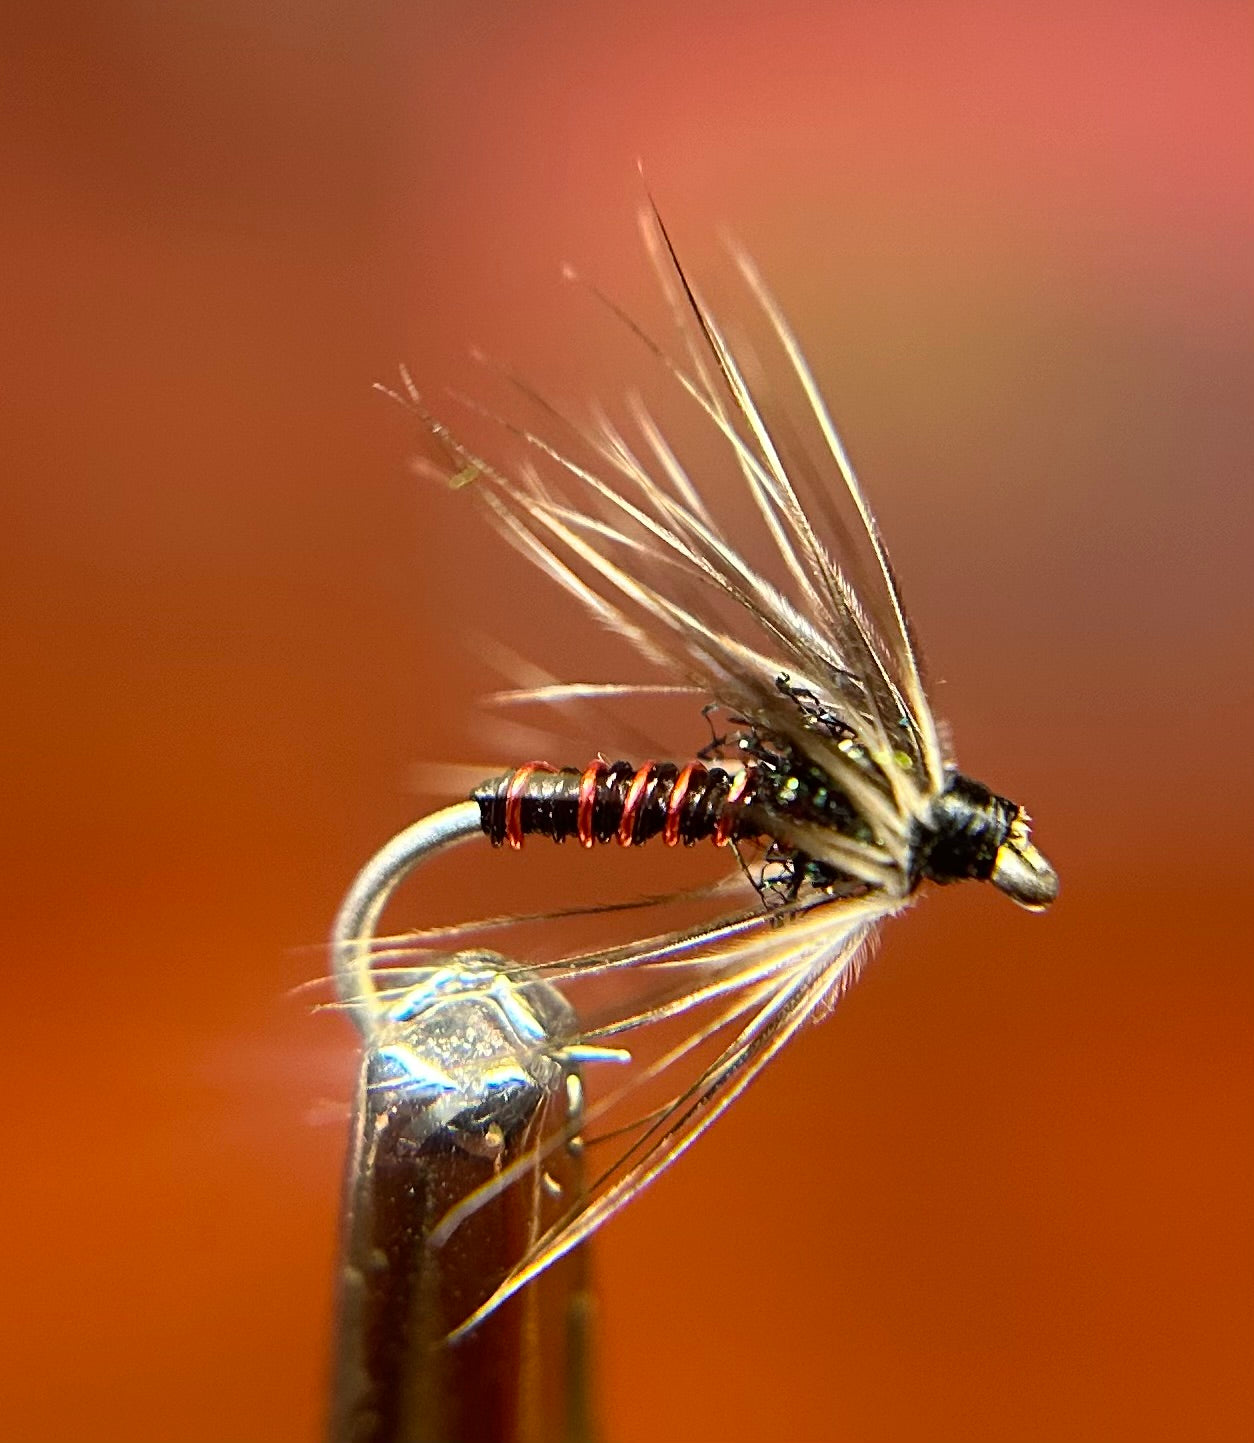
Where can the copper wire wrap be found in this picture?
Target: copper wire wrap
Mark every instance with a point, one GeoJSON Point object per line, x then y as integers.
{"type": "Point", "coordinates": [514, 795]}
{"type": "Point", "coordinates": [693, 772]}
{"type": "Point", "coordinates": [631, 807]}
{"type": "Point", "coordinates": [588, 783]}
{"type": "Point", "coordinates": [727, 817]}
{"type": "Point", "coordinates": [616, 801]}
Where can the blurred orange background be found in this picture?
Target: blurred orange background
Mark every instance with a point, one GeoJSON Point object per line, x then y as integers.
{"type": "Point", "coordinates": [1006, 1191]}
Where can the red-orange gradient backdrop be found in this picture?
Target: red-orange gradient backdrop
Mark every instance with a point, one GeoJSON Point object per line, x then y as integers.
{"type": "Point", "coordinates": [1006, 1191]}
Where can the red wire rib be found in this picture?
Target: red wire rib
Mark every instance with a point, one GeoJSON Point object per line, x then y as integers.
{"type": "Point", "coordinates": [588, 784]}
{"type": "Point", "coordinates": [514, 800]}
{"type": "Point", "coordinates": [731, 808]}
{"type": "Point", "coordinates": [693, 772]}
{"type": "Point", "coordinates": [631, 806]}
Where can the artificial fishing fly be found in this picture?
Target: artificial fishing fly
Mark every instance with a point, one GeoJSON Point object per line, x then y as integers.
{"type": "Point", "coordinates": [830, 783]}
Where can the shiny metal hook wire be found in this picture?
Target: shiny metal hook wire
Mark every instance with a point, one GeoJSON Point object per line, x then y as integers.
{"type": "Point", "coordinates": [355, 924]}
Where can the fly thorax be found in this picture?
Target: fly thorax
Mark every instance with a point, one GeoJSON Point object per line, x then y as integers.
{"type": "Point", "coordinates": [803, 792]}
{"type": "Point", "coordinates": [969, 823]}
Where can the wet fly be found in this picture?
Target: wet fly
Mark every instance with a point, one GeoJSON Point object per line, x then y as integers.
{"type": "Point", "coordinates": [828, 782]}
